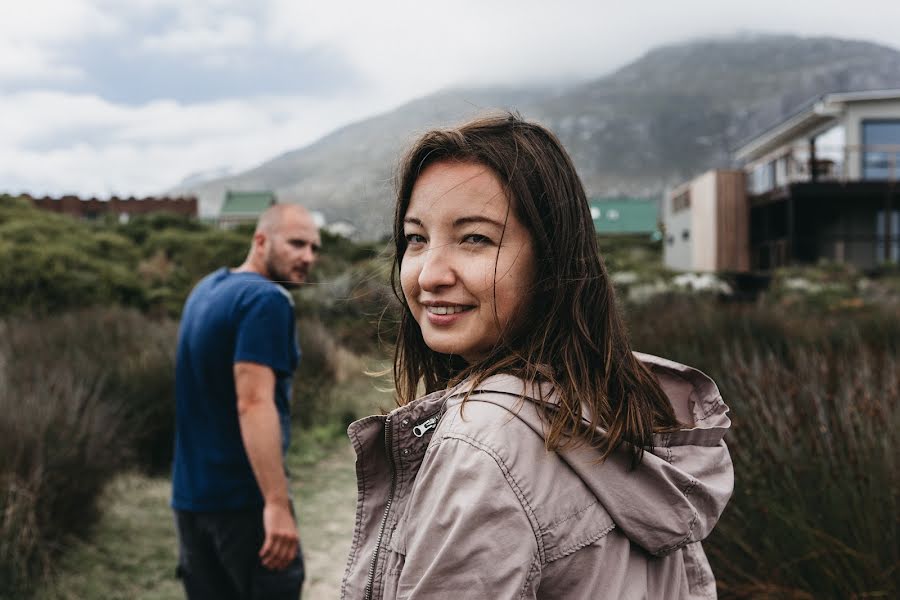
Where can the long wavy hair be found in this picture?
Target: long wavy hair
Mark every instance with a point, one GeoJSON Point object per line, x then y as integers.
{"type": "Point", "coordinates": [575, 338]}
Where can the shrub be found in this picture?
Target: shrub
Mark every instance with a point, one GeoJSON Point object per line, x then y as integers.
{"type": "Point", "coordinates": [84, 395]}
{"type": "Point", "coordinates": [139, 228]}
{"type": "Point", "coordinates": [61, 442]}
{"type": "Point", "coordinates": [816, 424]}
{"type": "Point", "coordinates": [330, 387]}
{"type": "Point", "coordinates": [40, 278]}
{"type": "Point", "coordinates": [358, 306]}
{"type": "Point", "coordinates": [50, 262]}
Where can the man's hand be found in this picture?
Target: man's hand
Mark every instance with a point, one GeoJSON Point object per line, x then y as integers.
{"type": "Point", "coordinates": [280, 545]}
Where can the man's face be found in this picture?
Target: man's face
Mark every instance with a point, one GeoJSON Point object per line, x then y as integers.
{"type": "Point", "coordinates": [291, 249]}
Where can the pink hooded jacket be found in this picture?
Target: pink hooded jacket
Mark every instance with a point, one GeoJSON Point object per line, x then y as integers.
{"type": "Point", "coordinates": [468, 503]}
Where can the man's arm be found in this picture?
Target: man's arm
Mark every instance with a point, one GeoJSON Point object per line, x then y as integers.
{"type": "Point", "coordinates": [261, 433]}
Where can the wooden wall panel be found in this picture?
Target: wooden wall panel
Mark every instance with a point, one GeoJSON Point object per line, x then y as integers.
{"type": "Point", "coordinates": [732, 222]}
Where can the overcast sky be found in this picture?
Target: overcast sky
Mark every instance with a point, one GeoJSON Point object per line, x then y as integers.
{"type": "Point", "coordinates": [129, 97]}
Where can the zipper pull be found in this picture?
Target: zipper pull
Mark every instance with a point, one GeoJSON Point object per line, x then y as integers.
{"type": "Point", "coordinates": [425, 426]}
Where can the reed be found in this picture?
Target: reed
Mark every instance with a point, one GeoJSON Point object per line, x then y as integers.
{"type": "Point", "coordinates": [815, 405]}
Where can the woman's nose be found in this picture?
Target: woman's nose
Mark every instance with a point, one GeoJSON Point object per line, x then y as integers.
{"type": "Point", "coordinates": [438, 269]}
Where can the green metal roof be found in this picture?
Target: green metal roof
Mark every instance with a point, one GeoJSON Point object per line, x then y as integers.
{"type": "Point", "coordinates": [247, 203]}
{"type": "Point", "coordinates": [625, 215]}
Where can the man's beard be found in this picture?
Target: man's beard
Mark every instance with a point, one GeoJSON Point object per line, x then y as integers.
{"type": "Point", "coordinates": [278, 275]}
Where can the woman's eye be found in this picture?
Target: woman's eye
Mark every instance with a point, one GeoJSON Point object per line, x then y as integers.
{"type": "Point", "coordinates": [478, 239]}
{"type": "Point", "coordinates": [414, 238]}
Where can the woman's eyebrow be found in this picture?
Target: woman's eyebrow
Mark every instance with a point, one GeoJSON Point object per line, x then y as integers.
{"type": "Point", "coordinates": [460, 222]}
{"type": "Point", "coordinates": [476, 219]}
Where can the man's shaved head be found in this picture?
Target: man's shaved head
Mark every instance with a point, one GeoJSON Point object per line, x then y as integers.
{"type": "Point", "coordinates": [277, 213]}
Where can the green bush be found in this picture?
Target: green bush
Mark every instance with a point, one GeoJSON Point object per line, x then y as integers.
{"type": "Point", "coordinates": [140, 227]}
{"type": "Point", "coordinates": [41, 278]}
{"type": "Point", "coordinates": [50, 262]}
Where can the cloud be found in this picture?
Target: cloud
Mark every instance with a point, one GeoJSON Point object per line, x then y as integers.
{"type": "Point", "coordinates": [142, 51]}
{"type": "Point", "coordinates": [59, 143]}
{"type": "Point", "coordinates": [34, 35]}
{"type": "Point", "coordinates": [25, 62]}
{"type": "Point", "coordinates": [417, 47]}
{"type": "Point", "coordinates": [230, 33]}
{"type": "Point", "coordinates": [103, 96]}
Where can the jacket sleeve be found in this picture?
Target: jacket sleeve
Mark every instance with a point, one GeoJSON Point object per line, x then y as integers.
{"type": "Point", "coordinates": [471, 533]}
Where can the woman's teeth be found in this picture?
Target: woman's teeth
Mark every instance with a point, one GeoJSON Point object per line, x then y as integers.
{"type": "Point", "coordinates": [446, 310]}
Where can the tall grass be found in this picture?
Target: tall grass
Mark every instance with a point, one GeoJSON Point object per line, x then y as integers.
{"type": "Point", "coordinates": [60, 444]}
{"type": "Point", "coordinates": [84, 395]}
{"type": "Point", "coordinates": [330, 387]}
{"type": "Point", "coordinates": [815, 404]}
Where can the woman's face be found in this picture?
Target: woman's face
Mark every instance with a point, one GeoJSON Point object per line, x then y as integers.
{"type": "Point", "coordinates": [469, 264]}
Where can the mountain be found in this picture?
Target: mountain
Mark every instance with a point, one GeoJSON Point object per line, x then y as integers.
{"type": "Point", "coordinates": [676, 111]}
{"type": "Point", "coordinates": [348, 173]}
{"type": "Point", "coordinates": [195, 179]}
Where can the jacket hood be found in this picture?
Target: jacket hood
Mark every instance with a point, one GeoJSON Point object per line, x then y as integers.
{"type": "Point", "coordinates": [679, 490]}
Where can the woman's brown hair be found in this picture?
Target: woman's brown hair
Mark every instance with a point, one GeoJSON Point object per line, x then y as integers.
{"type": "Point", "coordinates": [575, 338]}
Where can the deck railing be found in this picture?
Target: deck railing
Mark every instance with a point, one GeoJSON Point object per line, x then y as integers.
{"type": "Point", "coordinates": [800, 164]}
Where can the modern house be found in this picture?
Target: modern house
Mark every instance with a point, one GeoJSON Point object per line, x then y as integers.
{"type": "Point", "coordinates": [705, 224]}
{"type": "Point", "coordinates": [625, 216]}
{"type": "Point", "coordinates": [244, 207]}
{"type": "Point", "coordinates": [820, 185]}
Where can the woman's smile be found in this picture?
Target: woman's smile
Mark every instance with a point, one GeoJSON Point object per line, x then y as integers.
{"type": "Point", "coordinates": [446, 310]}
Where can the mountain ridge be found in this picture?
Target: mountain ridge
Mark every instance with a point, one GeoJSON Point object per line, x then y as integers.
{"type": "Point", "coordinates": [675, 111]}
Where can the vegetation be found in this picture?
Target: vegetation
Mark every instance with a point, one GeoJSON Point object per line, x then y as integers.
{"type": "Point", "coordinates": [87, 353]}
{"type": "Point", "coordinates": [87, 338]}
{"type": "Point", "coordinates": [79, 404]}
{"type": "Point", "coordinates": [816, 423]}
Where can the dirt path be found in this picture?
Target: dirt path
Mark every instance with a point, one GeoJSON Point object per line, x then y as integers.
{"type": "Point", "coordinates": [133, 551]}
{"type": "Point", "coordinates": [326, 503]}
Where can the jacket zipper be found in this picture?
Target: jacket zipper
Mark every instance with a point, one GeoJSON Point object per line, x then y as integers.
{"type": "Point", "coordinates": [370, 582]}
{"type": "Point", "coordinates": [426, 425]}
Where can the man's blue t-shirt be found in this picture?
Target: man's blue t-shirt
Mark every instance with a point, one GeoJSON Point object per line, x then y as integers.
{"type": "Point", "coordinates": [229, 317]}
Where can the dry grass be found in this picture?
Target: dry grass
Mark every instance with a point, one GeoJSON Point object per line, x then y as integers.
{"type": "Point", "coordinates": [84, 395]}
{"type": "Point", "coordinates": [815, 401]}
{"type": "Point", "coordinates": [88, 394]}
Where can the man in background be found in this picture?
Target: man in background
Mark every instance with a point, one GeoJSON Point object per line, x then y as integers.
{"type": "Point", "coordinates": [237, 351]}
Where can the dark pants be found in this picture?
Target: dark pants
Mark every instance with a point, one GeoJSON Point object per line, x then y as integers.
{"type": "Point", "coordinates": [219, 558]}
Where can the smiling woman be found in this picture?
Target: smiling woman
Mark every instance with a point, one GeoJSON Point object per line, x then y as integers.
{"type": "Point", "coordinates": [469, 261]}
{"type": "Point", "coordinates": [547, 460]}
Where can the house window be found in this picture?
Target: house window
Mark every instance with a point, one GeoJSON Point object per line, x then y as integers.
{"type": "Point", "coordinates": [612, 214]}
{"type": "Point", "coordinates": [881, 149]}
{"type": "Point", "coordinates": [682, 201]}
{"type": "Point", "coordinates": [762, 178]}
{"type": "Point", "coordinates": [881, 239]}
{"type": "Point", "coordinates": [685, 235]}
{"type": "Point", "coordinates": [596, 213]}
